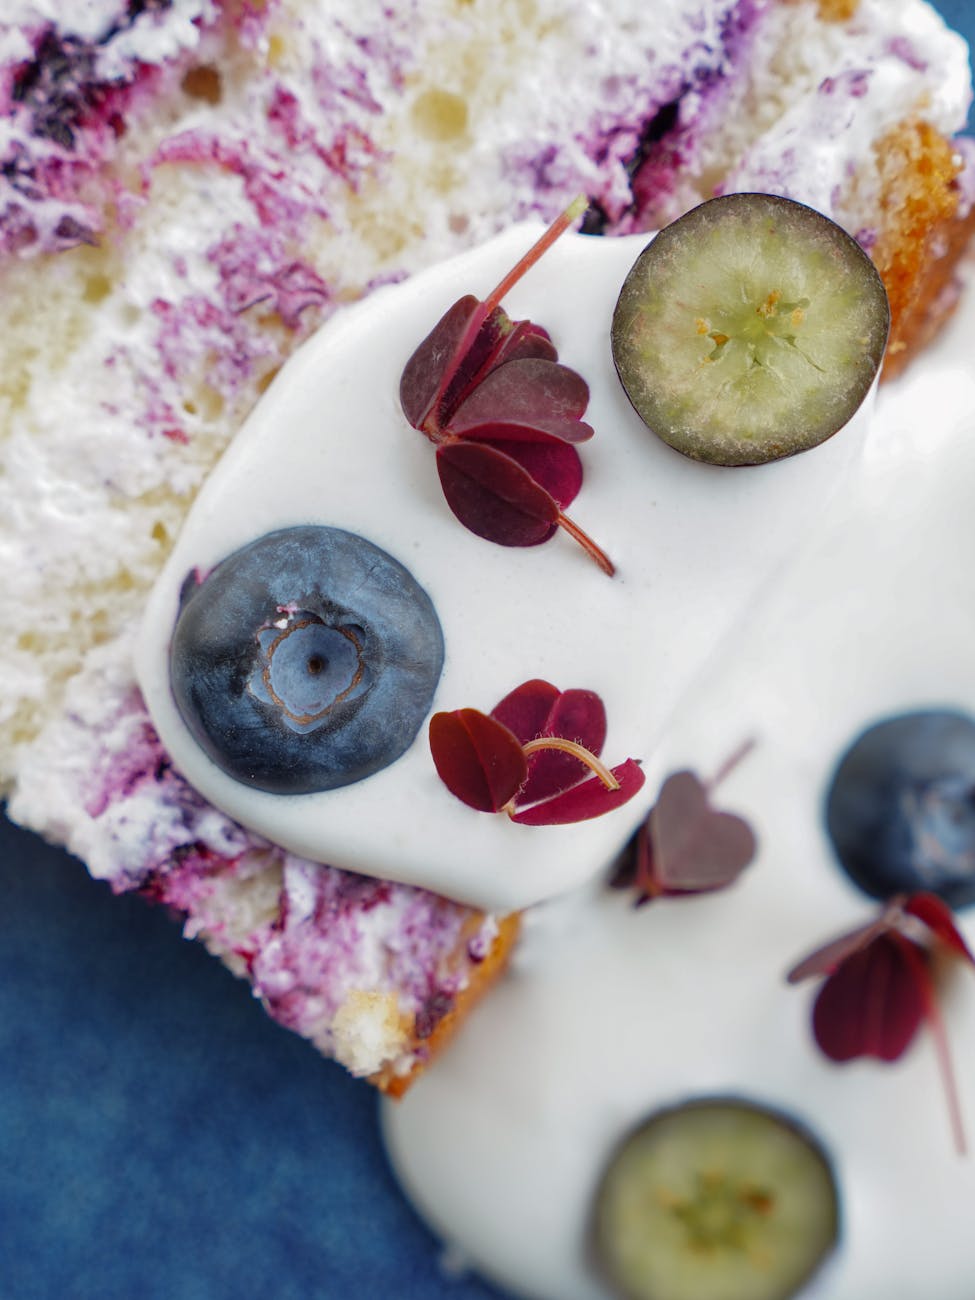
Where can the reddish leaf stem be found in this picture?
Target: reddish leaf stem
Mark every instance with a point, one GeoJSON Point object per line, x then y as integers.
{"type": "Point", "coordinates": [484, 309]}
{"type": "Point", "coordinates": [578, 751]}
{"type": "Point", "coordinates": [730, 763]}
{"type": "Point", "coordinates": [541, 246]}
{"type": "Point", "coordinates": [939, 1035]}
{"type": "Point", "coordinates": [592, 549]}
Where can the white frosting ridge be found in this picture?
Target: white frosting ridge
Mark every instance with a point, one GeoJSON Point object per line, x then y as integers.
{"type": "Point", "coordinates": [611, 1012]}
{"type": "Point", "coordinates": [694, 544]}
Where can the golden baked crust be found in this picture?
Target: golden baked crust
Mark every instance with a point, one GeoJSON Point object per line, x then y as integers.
{"type": "Point", "coordinates": [833, 11]}
{"type": "Point", "coordinates": [482, 977]}
{"type": "Point", "coordinates": [921, 237]}
{"type": "Point", "coordinates": [837, 11]}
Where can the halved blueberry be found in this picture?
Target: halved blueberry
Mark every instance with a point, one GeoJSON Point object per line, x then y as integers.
{"type": "Point", "coordinates": [306, 660]}
{"type": "Point", "coordinates": [900, 809]}
{"type": "Point", "coordinates": [717, 1198]}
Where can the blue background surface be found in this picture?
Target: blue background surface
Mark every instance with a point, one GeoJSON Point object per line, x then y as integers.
{"type": "Point", "coordinates": [160, 1138]}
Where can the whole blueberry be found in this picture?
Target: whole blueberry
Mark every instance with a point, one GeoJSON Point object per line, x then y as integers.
{"type": "Point", "coordinates": [901, 806]}
{"type": "Point", "coordinates": [306, 660]}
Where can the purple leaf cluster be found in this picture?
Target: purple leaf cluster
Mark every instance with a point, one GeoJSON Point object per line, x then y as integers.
{"type": "Point", "coordinates": [879, 987]}
{"type": "Point", "coordinates": [505, 416]}
{"type": "Point", "coordinates": [535, 757]}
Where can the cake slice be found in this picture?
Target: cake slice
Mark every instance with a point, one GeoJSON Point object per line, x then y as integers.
{"type": "Point", "coordinates": [188, 190]}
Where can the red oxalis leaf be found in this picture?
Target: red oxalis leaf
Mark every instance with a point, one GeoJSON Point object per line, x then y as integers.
{"type": "Point", "coordinates": [491, 339]}
{"type": "Point", "coordinates": [937, 916]}
{"type": "Point", "coordinates": [555, 466]}
{"type": "Point", "coordinates": [879, 986]}
{"type": "Point", "coordinates": [485, 760]}
{"type": "Point", "coordinates": [477, 758]}
{"type": "Point", "coordinates": [826, 959]}
{"type": "Point", "coordinates": [493, 496]}
{"type": "Point", "coordinates": [527, 708]}
{"type": "Point", "coordinates": [538, 709]}
{"type": "Point", "coordinates": [481, 381]}
{"type": "Point", "coordinates": [689, 847]}
{"type": "Point", "coordinates": [586, 801]}
{"type": "Point", "coordinates": [532, 397]}
{"type": "Point", "coordinates": [874, 1002]}
{"type": "Point", "coordinates": [418, 385]}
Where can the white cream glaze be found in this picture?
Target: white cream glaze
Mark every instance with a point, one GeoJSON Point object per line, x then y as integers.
{"type": "Point", "coordinates": [693, 545]}
{"type": "Point", "coordinates": [609, 1012]}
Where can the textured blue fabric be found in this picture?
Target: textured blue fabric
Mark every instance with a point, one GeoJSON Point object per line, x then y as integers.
{"type": "Point", "coordinates": [160, 1138]}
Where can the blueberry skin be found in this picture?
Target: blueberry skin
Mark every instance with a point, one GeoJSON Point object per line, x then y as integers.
{"type": "Point", "coordinates": [305, 661]}
{"type": "Point", "coordinates": [901, 807]}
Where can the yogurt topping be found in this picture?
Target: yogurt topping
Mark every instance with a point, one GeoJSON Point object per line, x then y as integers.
{"type": "Point", "coordinates": [610, 1012]}
{"type": "Point", "coordinates": [693, 545]}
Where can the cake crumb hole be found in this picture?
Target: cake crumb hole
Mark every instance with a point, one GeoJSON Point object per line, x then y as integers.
{"type": "Point", "coordinates": [440, 115]}
{"type": "Point", "coordinates": [203, 82]}
{"type": "Point", "coordinates": [97, 288]}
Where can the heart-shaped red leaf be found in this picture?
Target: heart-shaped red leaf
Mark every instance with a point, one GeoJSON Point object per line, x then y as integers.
{"type": "Point", "coordinates": [540, 430]}
{"type": "Point", "coordinates": [585, 801]}
{"type": "Point", "coordinates": [484, 346]}
{"type": "Point", "coordinates": [527, 340]}
{"type": "Point", "coordinates": [694, 848]}
{"type": "Point", "coordinates": [570, 715]}
{"type": "Point", "coordinates": [422, 373]}
{"type": "Point", "coordinates": [491, 339]}
{"type": "Point", "coordinates": [537, 708]}
{"type": "Point", "coordinates": [874, 1002]}
{"type": "Point", "coordinates": [555, 466]}
{"type": "Point", "coordinates": [493, 496]}
{"type": "Point", "coordinates": [477, 758]}
{"type": "Point", "coordinates": [826, 959]}
{"type": "Point", "coordinates": [528, 392]}
{"type": "Point", "coordinates": [526, 709]}
{"type": "Point", "coordinates": [463, 347]}
{"type": "Point", "coordinates": [479, 376]}
{"type": "Point", "coordinates": [937, 916]}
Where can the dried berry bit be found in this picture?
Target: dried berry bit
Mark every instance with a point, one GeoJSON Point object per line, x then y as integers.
{"type": "Point", "coordinates": [749, 329]}
{"type": "Point", "coordinates": [900, 809]}
{"type": "Point", "coordinates": [305, 661]}
{"type": "Point", "coordinates": [716, 1199]}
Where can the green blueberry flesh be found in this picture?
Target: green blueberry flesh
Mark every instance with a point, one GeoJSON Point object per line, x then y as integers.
{"type": "Point", "coordinates": [716, 1199]}
{"type": "Point", "coordinates": [750, 329]}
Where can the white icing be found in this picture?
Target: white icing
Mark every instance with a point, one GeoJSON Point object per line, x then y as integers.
{"type": "Point", "coordinates": [610, 1012]}
{"type": "Point", "coordinates": [693, 545]}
